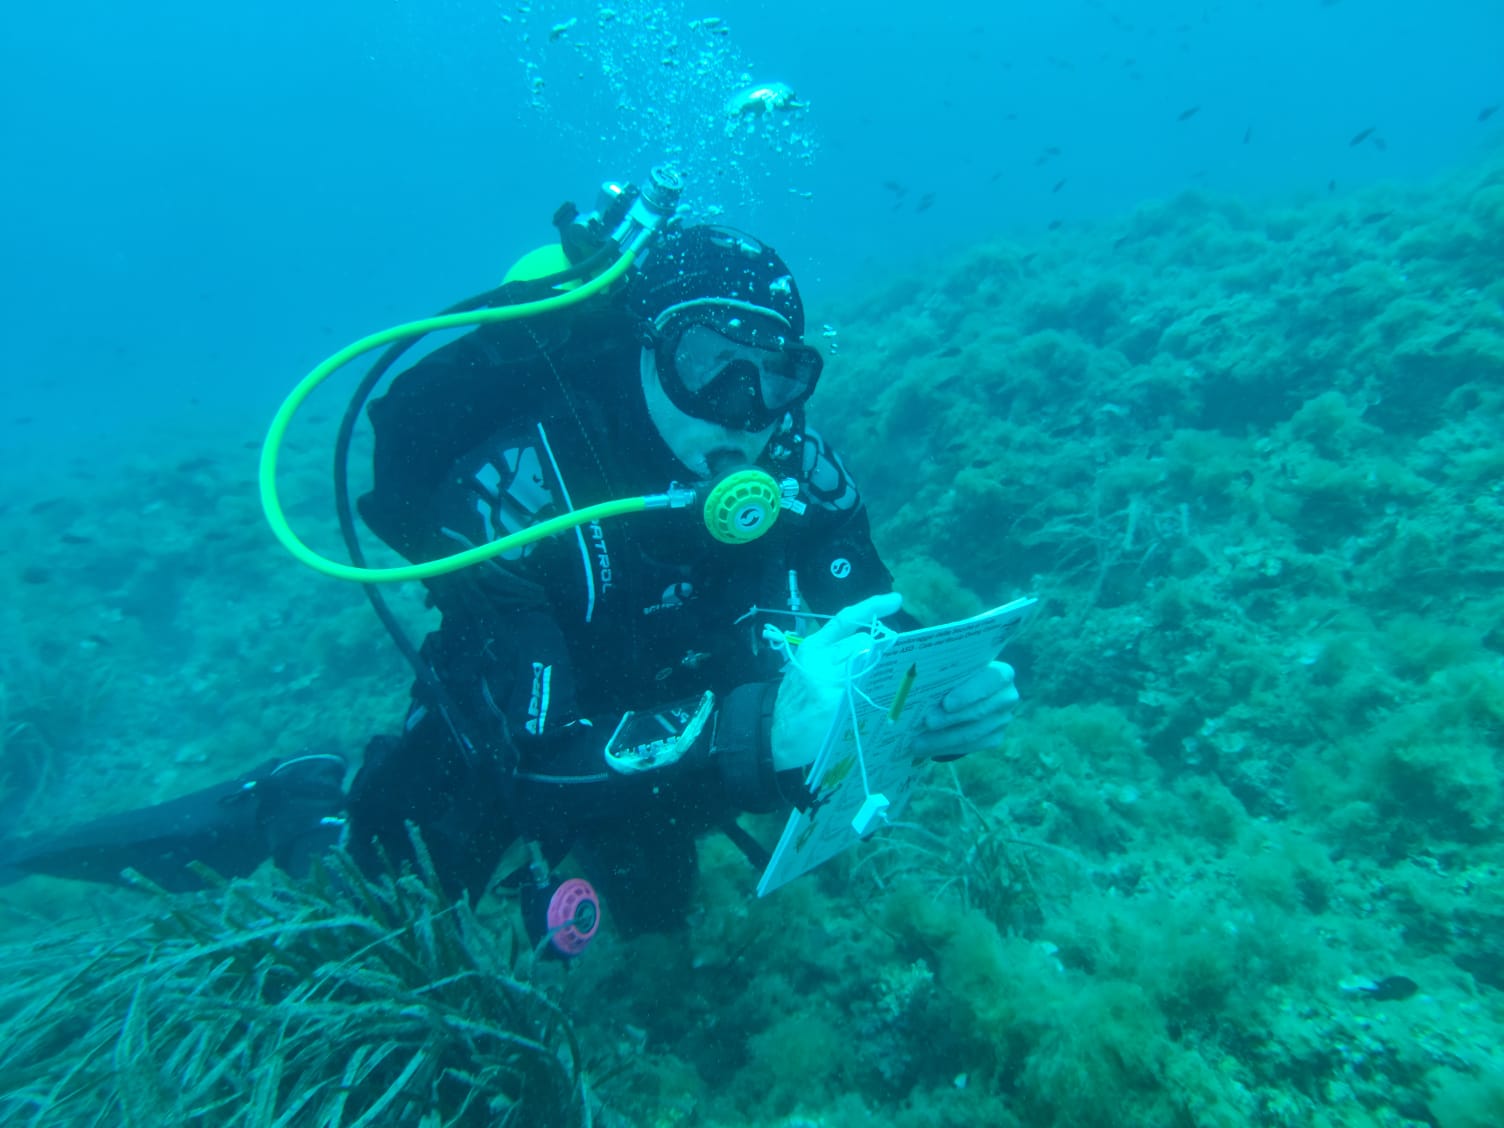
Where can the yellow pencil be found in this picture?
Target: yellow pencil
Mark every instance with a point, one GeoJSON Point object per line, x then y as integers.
{"type": "Point", "coordinates": [903, 692]}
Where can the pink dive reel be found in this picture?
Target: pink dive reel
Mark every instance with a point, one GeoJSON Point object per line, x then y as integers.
{"type": "Point", "coordinates": [566, 913]}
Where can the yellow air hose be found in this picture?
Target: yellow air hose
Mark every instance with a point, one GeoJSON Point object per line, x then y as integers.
{"type": "Point", "coordinates": [272, 506]}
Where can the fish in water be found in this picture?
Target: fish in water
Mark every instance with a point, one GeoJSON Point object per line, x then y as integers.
{"type": "Point", "coordinates": [1361, 136]}
{"type": "Point", "coordinates": [1059, 184]}
{"type": "Point", "coordinates": [1187, 115]}
{"type": "Point", "coordinates": [1248, 135]}
{"type": "Point", "coordinates": [1392, 987]}
{"type": "Point", "coordinates": [1488, 111]}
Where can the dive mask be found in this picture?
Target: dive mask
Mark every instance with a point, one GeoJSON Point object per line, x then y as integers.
{"type": "Point", "coordinates": [732, 363]}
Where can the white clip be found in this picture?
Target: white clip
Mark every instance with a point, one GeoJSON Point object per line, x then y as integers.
{"type": "Point", "coordinates": [873, 807]}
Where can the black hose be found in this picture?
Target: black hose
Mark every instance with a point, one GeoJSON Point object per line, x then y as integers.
{"type": "Point", "coordinates": [508, 293]}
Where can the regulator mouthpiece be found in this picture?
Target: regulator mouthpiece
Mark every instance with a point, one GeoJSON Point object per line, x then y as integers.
{"type": "Point", "coordinates": [742, 505]}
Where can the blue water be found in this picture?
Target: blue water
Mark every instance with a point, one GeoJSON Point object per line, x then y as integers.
{"type": "Point", "coordinates": [200, 200]}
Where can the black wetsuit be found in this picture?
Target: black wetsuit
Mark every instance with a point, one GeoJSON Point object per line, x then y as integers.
{"type": "Point", "coordinates": [543, 650]}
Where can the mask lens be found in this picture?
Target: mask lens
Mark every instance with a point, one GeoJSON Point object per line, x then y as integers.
{"type": "Point", "coordinates": [702, 355]}
{"type": "Point", "coordinates": [789, 375]}
{"type": "Point", "coordinates": [741, 369]}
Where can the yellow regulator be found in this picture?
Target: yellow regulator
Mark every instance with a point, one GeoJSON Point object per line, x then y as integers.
{"type": "Point", "coordinates": [742, 506]}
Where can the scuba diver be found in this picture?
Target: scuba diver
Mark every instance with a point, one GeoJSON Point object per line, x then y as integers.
{"type": "Point", "coordinates": [597, 687]}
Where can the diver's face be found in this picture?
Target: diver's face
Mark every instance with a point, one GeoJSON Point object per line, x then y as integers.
{"type": "Point", "coordinates": [701, 445]}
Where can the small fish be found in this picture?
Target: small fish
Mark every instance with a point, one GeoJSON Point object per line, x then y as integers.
{"type": "Point", "coordinates": [1380, 144]}
{"type": "Point", "coordinates": [97, 640]}
{"type": "Point", "coordinates": [1448, 339]}
{"type": "Point", "coordinates": [1117, 243]}
{"type": "Point", "coordinates": [189, 465]}
{"type": "Point", "coordinates": [1187, 115]}
{"type": "Point", "coordinates": [980, 463]}
{"type": "Point", "coordinates": [1248, 135]}
{"type": "Point", "coordinates": [22, 420]}
{"type": "Point", "coordinates": [1331, 185]}
{"type": "Point", "coordinates": [1392, 987]}
{"type": "Point", "coordinates": [75, 538]}
{"type": "Point", "coordinates": [926, 201]}
{"type": "Point", "coordinates": [1213, 318]}
{"type": "Point", "coordinates": [1488, 111]}
{"type": "Point", "coordinates": [1059, 184]}
{"type": "Point", "coordinates": [1376, 217]}
{"type": "Point", "coordinates": [33, 574]}
{"type": "Point", "coordinates": [896, 188]}
{"type": "Point", "coordinates": [950, 353]}
{"type": "Point", "coordinates": [1054, 225]}
{"type": "Point", "coordinates": [49, 503]}
{"type": "Point", "coordinates": [1361, 136]}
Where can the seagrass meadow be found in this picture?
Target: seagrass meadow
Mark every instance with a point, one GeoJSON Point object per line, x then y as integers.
{"type": "Point", "coordinates": [1238, 862]}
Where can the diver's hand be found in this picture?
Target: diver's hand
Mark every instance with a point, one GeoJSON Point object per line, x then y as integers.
{"type": "Point", "coordinates": [970, 717]}
{"type": "Point", "coordinates": [815, 685]}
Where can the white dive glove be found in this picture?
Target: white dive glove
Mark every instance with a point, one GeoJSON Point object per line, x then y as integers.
{"type": "Point", "coordinates": [815, 685]}
{"type": "Point", "coordinates": [970, 717]}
